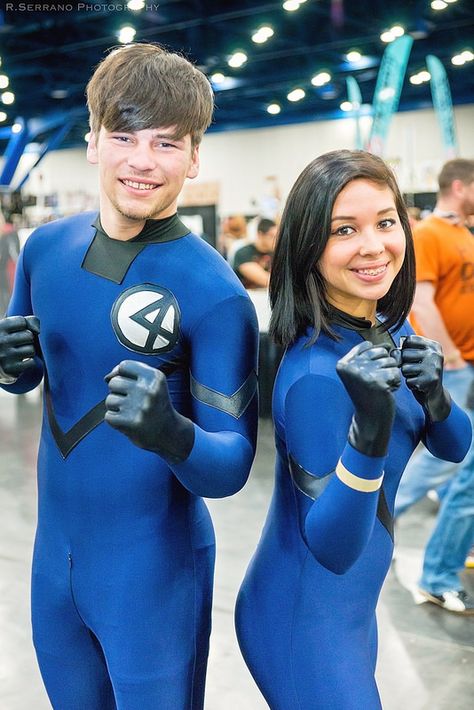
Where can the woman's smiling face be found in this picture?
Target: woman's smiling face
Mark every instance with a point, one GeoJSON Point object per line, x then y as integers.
{"type": "Point", "coordinates": [365, 249]}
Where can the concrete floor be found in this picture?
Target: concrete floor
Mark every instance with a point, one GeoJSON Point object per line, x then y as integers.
{"type": "Point", "coordinates": [426, 658]}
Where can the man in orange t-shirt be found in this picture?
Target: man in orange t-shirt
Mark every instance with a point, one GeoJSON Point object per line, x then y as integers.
{"type": "Point", "coordinates": [443, 310]}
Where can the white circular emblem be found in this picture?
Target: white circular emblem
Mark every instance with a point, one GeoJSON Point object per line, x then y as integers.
{"type": "Point", "coordinates": [146, 319]}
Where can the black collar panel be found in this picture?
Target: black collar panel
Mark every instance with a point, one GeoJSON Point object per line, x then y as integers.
{"type": "Point", "coordinates": [112, 258]}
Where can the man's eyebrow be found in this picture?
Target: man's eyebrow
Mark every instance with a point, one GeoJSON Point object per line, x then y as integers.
{"type": "Point", "coordinates": [168, 136]}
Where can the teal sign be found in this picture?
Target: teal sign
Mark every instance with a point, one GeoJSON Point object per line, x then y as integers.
{"type": "Point", "coordinates": [443, 105]}
{"type": "Point", "coordinates": [387, 91]}
{"type": "Point", "coordinates": [355, 98]}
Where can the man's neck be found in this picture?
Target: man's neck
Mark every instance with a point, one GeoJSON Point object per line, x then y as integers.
{"type": "Point", "coordinates": [122, 231]}
{"type": "Point", "coordinates": [447, 206]}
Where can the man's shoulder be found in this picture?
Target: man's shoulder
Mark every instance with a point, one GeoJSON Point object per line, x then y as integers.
{"type": "Point", "coordinates": [64, 225]}
{"type": "Point", "coordinates": [432, 226]}
{"type": "Point", "coordinates": [245, 253]}
{"type": "Point", "coordinates": [209, 269]}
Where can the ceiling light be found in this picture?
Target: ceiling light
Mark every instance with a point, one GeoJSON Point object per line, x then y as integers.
{"type": "Point", "coordinates": [387, 36]}
{"type": "Point", "coordinates": [237, 59]}
{"type": "Point", "coordinates": [274, 108]}
{"type": "Point", "coordinates": [59, 93]}
{"type": "Point", "coordinates": [444, 0]}
{"type": "Point", "coordinates": [458, 60]}
{"type": "Point", "coordinates": [17, 128]}
{"type": "Point", "coordinates": [397, 30]}
{"type": "Point", "coordinates": [296, 95]}
{"type": "Point", "coordinates": [321, 78]}
{"type": "Point", "coordinates": [353, 56]}
{"type": "Point", "coordinates": [467, 55]}
{"type": "Point", "coordinates": [261, 35]}
{"type": "Point", "coordinates": [7, 97]}
{"type": "Point", "coordinates": [3, 116]}
{"type": "Point", "coordinates": [386, 93]}
{"type": "Point", "coordinates": [3, 81]}
{"type": "Point", "coordinates": [421, 77]}
{"type": "Point", "coordinates": [438, 5]}
{"type": "Point", "coordinates": [87, 137]}
{"type": "Point", "coordinates": [126, 35]}
{"type": "Point", "coordinates": [346, 106]}
{"type": "Point", "coordinates": [218, 78]}
{"type": "Point", "coordinates": [291, 5]}
{"type": "Point", "coordinates": [136, 4]}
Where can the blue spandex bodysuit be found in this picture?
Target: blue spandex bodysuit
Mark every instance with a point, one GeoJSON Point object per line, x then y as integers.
{"type": "Point", "coordinates": [124, 551]}
{"type": "Point", "coordinates": [306, 610]}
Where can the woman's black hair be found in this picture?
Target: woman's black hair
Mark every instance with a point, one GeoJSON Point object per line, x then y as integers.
{"type": "Point", "coordinates": [297, 288]}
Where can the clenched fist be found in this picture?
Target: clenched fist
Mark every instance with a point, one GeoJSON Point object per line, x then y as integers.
{"type": "Point", "coordinates": [422, 368]}
{"type": "Point", "coordinates": [370, 376]}
{"type": "Point", "coordinates": [139, 406]}
{"type": "Point", "coordinates": [17, 346]}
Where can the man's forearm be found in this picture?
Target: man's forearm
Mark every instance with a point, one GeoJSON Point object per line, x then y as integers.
{"type": "Point", "coordinates": [431, 323]}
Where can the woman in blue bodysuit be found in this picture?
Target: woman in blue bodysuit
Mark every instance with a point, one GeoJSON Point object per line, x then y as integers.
{"type": "Point", "coordinates": [355, 393]}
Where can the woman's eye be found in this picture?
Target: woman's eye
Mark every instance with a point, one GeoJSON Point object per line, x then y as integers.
{"type": "Point", "coordinates": [386, 223]}
{"type": "Point", "coordinates": [344, 230]}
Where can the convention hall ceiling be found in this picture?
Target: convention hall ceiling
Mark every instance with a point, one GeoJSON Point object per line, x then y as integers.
{"type": "Point", "coordinates": [48, 50]}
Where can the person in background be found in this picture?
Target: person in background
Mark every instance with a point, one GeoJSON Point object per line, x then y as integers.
{"type": "Point", "coordinates": [147, 344]}
{"type": "Point", "coordinates": [355, 393]}
{"type": "Point", "coordinates": [253, 262]}
{"type": "Point", "coordinates": [443, 309]}
{"type": "Point", "coordinates": [233, 230]}
{"type": "Point", "coordinates": [470, 223]}
{"type": "Point", "coordinates": [9, 251]}
{"type": "Point", "coordinates": [414, 216]}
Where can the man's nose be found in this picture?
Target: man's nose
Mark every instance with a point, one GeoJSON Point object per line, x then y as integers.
{"type": "Point", "coordinates": [142, 158]}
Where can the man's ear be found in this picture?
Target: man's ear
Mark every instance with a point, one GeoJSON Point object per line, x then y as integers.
{"type": "Point", "coordinates": [194, 166]}
{"type": "Point", "coordinates": [458, 188]}
{"type": "Point", "coordinates": [92, 152]}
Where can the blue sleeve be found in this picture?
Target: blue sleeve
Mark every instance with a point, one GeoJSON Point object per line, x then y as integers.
{"type": "Point", "coordinates": [224, 350]}
{"type": "Point", "coordinates": [20, 305]}
{"type": "Point", "coordinates": [336, 520]}
{"type": "Point", "coordinates": [450, 439]}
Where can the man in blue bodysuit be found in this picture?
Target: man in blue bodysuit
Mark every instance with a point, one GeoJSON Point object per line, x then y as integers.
{"type": "Point", "coordinates": [147, 344]}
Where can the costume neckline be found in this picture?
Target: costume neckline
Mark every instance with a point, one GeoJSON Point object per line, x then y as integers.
{"type": "Point", "coordinates": [154, 230]}
{"type": "Point", "coordinates": [347, 320]}
{"type": "Point", "coordinates": [112, 258]}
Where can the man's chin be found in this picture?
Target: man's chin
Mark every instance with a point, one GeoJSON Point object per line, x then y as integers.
{"type": "Point", "coordinates": [138, 215]}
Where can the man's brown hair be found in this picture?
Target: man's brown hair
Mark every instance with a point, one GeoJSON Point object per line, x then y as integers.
{"type": "Point", "coordinates": [143, 86]}
{"type": "Point", "coordinates": [457, 169]}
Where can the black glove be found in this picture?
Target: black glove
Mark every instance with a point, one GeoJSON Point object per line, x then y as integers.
{"type": "Point", "coordinates": [422, 368]}
{"type": "Point", "coordinates": [18, 346]}
{"type": "Point", "coordinates": [139, 406]}
{"type": "Point", "coordinates": [370, 375]}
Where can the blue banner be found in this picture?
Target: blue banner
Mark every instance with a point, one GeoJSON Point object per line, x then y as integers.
{"type": "Point", "coordinates": [355, 98]}
{"type": "Point", "coordinates": [387, 91]}
{"type": "Point", "coordinates": [443, 105]}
